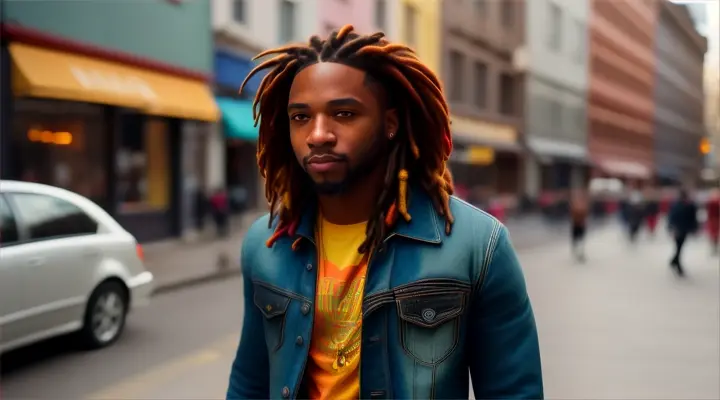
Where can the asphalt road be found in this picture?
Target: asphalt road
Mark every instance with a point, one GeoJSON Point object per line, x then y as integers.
{"type": "Point", "coordinates": [620, 326]}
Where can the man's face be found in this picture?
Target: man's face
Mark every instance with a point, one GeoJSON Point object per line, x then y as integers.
{"type": "Point", "coordinates": [338, 129]}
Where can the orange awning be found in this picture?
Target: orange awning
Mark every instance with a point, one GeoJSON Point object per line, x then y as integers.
{"type": "Point", "coordinates": [46, 73]}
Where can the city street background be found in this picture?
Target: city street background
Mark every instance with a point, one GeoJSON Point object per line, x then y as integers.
{"type": "Point", "coordinates": [619, 326]}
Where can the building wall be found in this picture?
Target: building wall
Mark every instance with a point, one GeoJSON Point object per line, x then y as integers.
{"type": "Point", "coordinates": [477, 48]}
{"type": "Point", "coordinates": [557, 75]}
{"type": "Point", "coordinates": [622, 65]}
{"type": "Point", "coordinates": [184, 37]}
{"type": "Point", "coordinates": [678, 94]}
{"type": "Point", "coordinates": [425, 36]}
{"type": "Point", "coordinates": [333, 14]}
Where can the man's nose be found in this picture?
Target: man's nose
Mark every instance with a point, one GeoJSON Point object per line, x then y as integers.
{"type": "Point", "coordinates": [321, 134]}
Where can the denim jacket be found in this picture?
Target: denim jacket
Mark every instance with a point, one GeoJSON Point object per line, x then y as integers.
{"type": "Point", "coordinates": [436, 308]}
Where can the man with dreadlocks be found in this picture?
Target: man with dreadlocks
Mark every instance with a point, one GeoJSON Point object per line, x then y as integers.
{"type": "Point", "coordinates": [368, 279]}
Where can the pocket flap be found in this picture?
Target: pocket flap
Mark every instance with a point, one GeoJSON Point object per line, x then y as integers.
{"type": "Point", "coordinates": [270, 302]}
{"type": "Point", "coordinates": [430, 311]}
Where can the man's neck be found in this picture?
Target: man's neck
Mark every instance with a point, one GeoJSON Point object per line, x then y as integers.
{"type": "Point", "coordinates": [354, 206]}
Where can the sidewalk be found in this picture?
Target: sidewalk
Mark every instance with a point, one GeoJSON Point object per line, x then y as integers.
{"type": "Point", "coordinates": [178, 263]}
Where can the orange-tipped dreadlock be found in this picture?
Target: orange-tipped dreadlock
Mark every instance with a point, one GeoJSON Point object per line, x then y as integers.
{"type": "Point", "coordinates": [423, 137]}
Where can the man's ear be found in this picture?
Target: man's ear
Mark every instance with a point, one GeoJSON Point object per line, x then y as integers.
{"type": "Point", "coordinates": [392, 123]}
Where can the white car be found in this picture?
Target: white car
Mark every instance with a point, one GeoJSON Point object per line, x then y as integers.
{"type": "Point", "coordinates": [65, 266]}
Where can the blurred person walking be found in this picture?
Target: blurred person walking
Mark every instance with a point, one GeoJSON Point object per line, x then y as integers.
{"type": "Point", "coordinates": [220, 209]}
{"type": "Point", "coordinates": [354, 140]}
{"type": "Point", "coordinates": [652, 210]}
{"type": "Point", "coordinates": [682, 222]}
{"type": "Point", "coordinates": [634, 213]}
{"type": "Point", "coordinates": [579, 210]}
{"type": "Point", "coordinates": [713, 220]}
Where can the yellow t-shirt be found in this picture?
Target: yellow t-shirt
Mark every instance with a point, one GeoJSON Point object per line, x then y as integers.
{"type": "Point", "coordinates": [333, 370]}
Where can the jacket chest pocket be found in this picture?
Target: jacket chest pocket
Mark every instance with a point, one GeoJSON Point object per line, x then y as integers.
{"type": "Point", "coordinates": [273, 306]}
{"type": "Point", "coordinates": [430, 325]}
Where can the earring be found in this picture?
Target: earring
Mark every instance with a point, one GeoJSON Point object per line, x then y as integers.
{"type": "Point", "coordinates": [391, 135]}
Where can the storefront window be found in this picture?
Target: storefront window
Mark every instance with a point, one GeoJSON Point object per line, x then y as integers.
{"type": "Point", "coordinates": [143, 165]}
{"type": "Point", "coordinates": [61, 144]}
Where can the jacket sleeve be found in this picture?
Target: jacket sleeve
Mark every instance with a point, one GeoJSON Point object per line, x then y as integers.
{"type": "Point", "coordinates": [504, 353]}
{"type": "Point", "coordinates": [250, 373]}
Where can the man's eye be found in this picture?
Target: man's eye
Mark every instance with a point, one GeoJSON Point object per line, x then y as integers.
{"type": "Point", "coordinates": [344, 114]}
{"type": "Point", "coordinates": [299, 117]}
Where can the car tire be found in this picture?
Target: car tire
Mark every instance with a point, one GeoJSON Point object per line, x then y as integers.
{"type": "Point", "coordinates": [105, 315]}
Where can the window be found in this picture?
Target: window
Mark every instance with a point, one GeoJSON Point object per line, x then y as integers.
{"type": "Point", "coordinates": [287, 21]}
{"type": "Point", "coordinates": [380, 13]}
{"type": "Point", "coordinates": [47, 217]}
{"type": "Point", "coordinates": [456, 79]}
{"type": "Point", "coordinates": [480, 85]}
{"type": "Point", "coordinates": [480, 7]}
{"type": "Point", "coordinates": [8, 226]}
{"type": "Point", "coordinates": [508, 13]}
{"type": "Point", "coordinates": [555, 114]}
{"type": "Point", "coordinates": [143, 164]}
{"type": "Point", "coordinates": [507, 94]}
{"type": "Point", "coordinates": [240, 11]}
{"type": "Point", "coordinates": [581, 37]}
{"type": "Point", "coordinates": [410, 15]}
{"type": "Point", "coordinates": [61, 144]}
{"type": "Point", "coordinates": [555, 25]}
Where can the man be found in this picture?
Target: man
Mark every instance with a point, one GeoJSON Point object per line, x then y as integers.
{"type": "Point", "coordinates": [579, 210]}
{"type": "Point", "coordinates": [354, 285]}
{"type": "Point", "coordinates": [652, 209]}
{"type": "Point", "coordinates": [682, 221]}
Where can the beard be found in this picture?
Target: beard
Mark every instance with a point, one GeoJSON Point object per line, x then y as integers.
{"type": "Point", "coordinates": [370, 159]}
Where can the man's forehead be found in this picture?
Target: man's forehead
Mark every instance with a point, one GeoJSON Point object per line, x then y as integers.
{"type": "Point", "coordinates": [329, 77]}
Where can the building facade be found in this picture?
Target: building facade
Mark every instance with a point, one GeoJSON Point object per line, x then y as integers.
{"type": "Point", "coordinates": [484, 87]}
{"type": "Point", "coordinates": [111, 110]}
{"type": "Point", "coordinates": [555, 94]}
{"type": "Point", "coordinates": [621, 94]}
{"type": "Point", "coordinates": [679, 98]}
{"type": "Point", "coordinates": [707, 22]}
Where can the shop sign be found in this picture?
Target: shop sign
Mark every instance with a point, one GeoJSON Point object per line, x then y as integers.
{"type": "Point", "coordinates": [113, 82]}
{"type": "Point", "coordinates": [480, 155]}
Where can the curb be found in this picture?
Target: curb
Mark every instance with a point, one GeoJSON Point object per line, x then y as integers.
{"type": "Point", "coordinates": [170, 287]}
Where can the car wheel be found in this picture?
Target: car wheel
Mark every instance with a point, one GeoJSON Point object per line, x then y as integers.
{"type": "Point", "coordinates": [105, 315]}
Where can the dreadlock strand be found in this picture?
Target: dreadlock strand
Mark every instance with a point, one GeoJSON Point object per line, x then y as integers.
{"type": "Point", "coordinates": [344, 31]}
{"type": "Point", "coordinates": [411, 138]}
{"type": "Point", "coordinates": [403, 177]}
{"type": "Point", "coordinates": [354, 45]}
{"type": "Point", "coordinates": [395, 73]}
{"type": "Point", "coordinates": [288, 49]}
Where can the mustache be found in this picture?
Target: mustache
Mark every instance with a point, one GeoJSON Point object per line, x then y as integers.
{"type": "Point", "coordinates": [319, 155]}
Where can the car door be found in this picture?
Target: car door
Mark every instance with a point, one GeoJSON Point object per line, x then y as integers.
{"type": "Point", "coordinates": [12, 300]}
{"type": "Point", "coordinates": [55, 263]}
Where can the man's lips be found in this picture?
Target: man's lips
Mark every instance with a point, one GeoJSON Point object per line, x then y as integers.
{"type": "Point", "coordinates": [324, 163]}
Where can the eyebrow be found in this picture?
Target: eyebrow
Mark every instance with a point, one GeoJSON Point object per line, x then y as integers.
{"type": "Point", "coordinates": [342, 102]}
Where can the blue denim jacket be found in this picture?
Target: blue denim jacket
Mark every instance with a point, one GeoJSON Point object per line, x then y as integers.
{"type": "Point", "coordinates": [435, 308]}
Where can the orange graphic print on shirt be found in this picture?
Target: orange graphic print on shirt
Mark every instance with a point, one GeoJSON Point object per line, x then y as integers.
{"type": "Point", "coordinates": [333, 366]}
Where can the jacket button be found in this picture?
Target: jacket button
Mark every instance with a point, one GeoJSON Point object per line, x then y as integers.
{"type": "Point", "coordinates": [309, 267]}
{"type": "Point", "coordinates": [299, 341]}
{"type": "Point", "coordinates": [305, 309]}
{"type": "Point", "coordinates": [285, 392]}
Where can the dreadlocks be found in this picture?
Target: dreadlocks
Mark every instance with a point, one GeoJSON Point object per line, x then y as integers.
{"type": "Point", "coordinates": [419, 153]}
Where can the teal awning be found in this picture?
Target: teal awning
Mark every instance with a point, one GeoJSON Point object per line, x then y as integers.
{"type": "Point", "coordinates": [237, 118]}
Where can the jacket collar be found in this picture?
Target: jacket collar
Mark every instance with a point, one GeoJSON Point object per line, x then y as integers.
{"type": "Point", "coordinates": [425, 225]}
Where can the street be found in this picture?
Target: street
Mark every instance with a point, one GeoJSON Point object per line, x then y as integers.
{"type": "Point", "coordinates": [619, 326]}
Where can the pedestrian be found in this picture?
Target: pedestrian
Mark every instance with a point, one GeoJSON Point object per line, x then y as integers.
{"type": "Point", "coordinates": [634, 213]}
{"type": "Point", "coordinates": [355, 271]}
{"type": "Point", "coordinates": [579, 210]}
{"type": "Point", "coordinates": [682, 222]}
{"type": "Point", "coordinates": [220, 207]}
{"type": "Point", "coordinates": [652, 210]}
{"type": "Point", "coordinates": [713, 220]}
